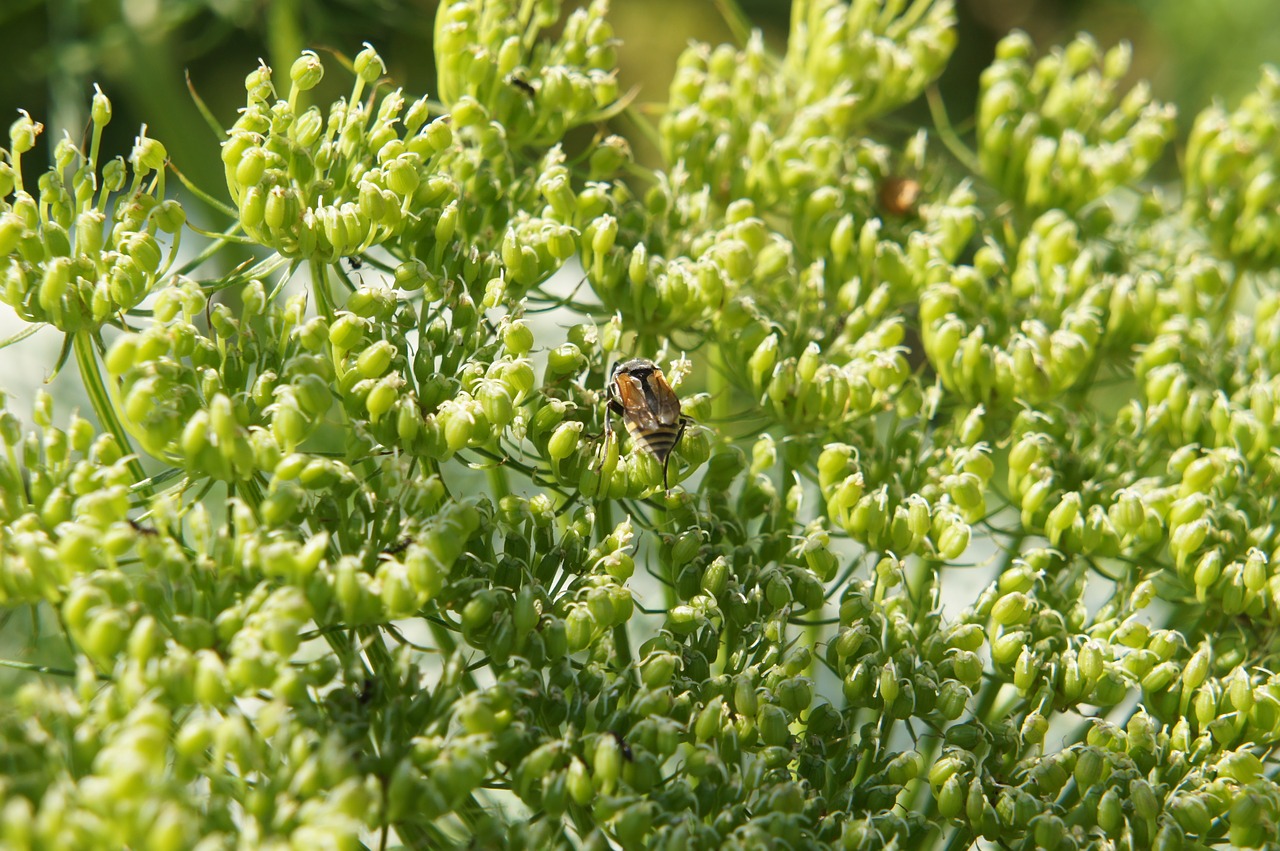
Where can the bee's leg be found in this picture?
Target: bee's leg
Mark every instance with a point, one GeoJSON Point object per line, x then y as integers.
{"type": "Point", "coordinates": [603, 454]}
{"type": "Point", "coordinates": [684, 422]}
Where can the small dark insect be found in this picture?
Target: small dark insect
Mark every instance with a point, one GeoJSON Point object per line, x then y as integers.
{"type": "Point", "coordinates": [623, 747]}
{"type": "Point", "coordinates": [650, 409]}
{"type": "Point", "coordinates": [523, 85]}
{"type": "Point", "coordinates": [399, 546]}
{"type": "Point", "coordinates": [899, 195]}
{"type": "Point", "coordinates": [355, 263]}
{"type": "Point", "coordinates": [140, 529]}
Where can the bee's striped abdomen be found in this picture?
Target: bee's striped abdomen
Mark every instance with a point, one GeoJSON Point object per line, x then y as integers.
{"type": "Point", "coordinates": [657, 441]}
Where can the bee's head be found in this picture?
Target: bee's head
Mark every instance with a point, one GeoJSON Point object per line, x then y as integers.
{"type": "Point", "coordinates": [639, 368]}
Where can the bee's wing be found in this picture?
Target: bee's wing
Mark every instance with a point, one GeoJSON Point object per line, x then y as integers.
{"type": "Point", "coordinates": [666, 403]}
{"type": "Point", "coordinates": [649, 404]}
{"type": "Point", "coordinates": [635, 406]}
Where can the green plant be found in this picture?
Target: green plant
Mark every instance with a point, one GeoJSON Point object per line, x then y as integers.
{"type": "Point", "coordinates": [341, 563]}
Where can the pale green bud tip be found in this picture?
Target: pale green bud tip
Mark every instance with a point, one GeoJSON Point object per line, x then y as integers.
{"type": "Point", "coordinates": [148, 154]}
{"type": "Point", "coordinates": [307, 71]}
{"type": "Point", "coordinates": [23, 132]}
{"type": "Point", "coordinates": [101, 110]}
{"type": "Point", "coordinates": [369, 65]}
{"type": "Point", "coordinates": [170, 216]}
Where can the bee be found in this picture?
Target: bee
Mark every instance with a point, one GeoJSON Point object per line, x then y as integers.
{"type": "Point", "coordinates": [639, 393]}
{"type": "Point", "coordinates": [900, 196]}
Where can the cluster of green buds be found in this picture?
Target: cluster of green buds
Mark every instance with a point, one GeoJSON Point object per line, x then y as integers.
{"type": "Point", "coordinates": [536, 90]}
{"type": "Point", "coordinates": [872, 270]}
{"type": "Point", "coordinates": [1184, 409]}
{"type": "Point", "coordinates": [140, 760]}
{"type": "Point", "coordinates": [899, 669]}
{"type": "Point", "coordinates": [809, 390]}
{"type": "Point", "coordinates": [1230, 176]}
{"type": "Point", "coordinates": [716, 99]}
{"type": "Point", "coordinates": [322, 187]}
{"type": "Point", "coordinates": [1068, 517]}
{"type": "Point", "coordinates": [785, 135]}
{"type": "Point", "coordinates": [865, 59]}
{"type": "Point", "coordinates": [88, 245]}
{"type": "Point", "coordinates": [904, 524]}
{"type": "Point", "coordinates": [64, 500]}
{"type": "Point", "coordinates": [1160, 778]}
{"type": "Point", "coordinates": [654, 293]}
{"type": "Point", "coordinates": [1060, 134]}
{"type": "Point", "coordinates": [668, 279]}
{"type": "Point", "coordinates": [168, 384]}
{"type": "Point", "coordinates": [393, 564]}
{"type": "Point", "coordinates": [1036, 336]}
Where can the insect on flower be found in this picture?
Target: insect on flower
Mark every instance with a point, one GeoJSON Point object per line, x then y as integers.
{"type": "Point", "coordinates": [650, 409]}
{"type": "Point", "coordinates": [899, 196]}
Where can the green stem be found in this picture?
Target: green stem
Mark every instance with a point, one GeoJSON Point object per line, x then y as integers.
{"type": "Point", "coordinates": [36, 669]}
{"type": "Point", "coordinates": [100, 399]}
{"type": "Point", "coordinates": [320, 285]}
{"type": "Point", "coordinates": [496, 474]}
{"type": "Point", "coordinates": [950, 139]}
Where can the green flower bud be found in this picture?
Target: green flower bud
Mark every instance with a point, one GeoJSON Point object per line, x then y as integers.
{"type": "Point", "coordinates": [1160, 677]}
{"type": "Point", "coordinates": [1191, 813]}
{"type": "Point", "coordinates": [951, 797]}
{"type": "Point", "coordinates": [1063, 516]}
{"type": "Point", "coordinates": [1012, 609]}
{"type": "Point", "coordinates": [306, 71]}
{"type": "Point", "coordinates": [953, 541]}
{"type": "Point", "coordinates": [716, 577]}
{"type": "Point", "coordinates": [607, 763]}
{"type": "Point", "coordinates": [375, 360]}
{"type": "Point", "coordinates": [347, 331]}
{"type": "Point", "coordinates": [795, 694]}
{"type": "Point", "coordinates": [1241, 766]}
{"type": "Point", "coordinates": [369, 66]}
{"type": "Point", "coordinates": [1034, 728]}
{"type": "Point", "coordinates": [148, 155]}
{"type": "Point", "coordinates": [579, 628]}
{"type": "Point", "coordinates": [1006, 649]}
{"type": "Point", "coordinates": [403, 178]}
{"type": "Point", "coordinates": [967, 666]}
{"type": "Point", "coordinates": [773, 725]}
{"type": "Point", "coordinates": [517, 338]}
{"type": "Point", "coordinates": [23, 132]}
{"type": "Point", "coordinates": [1090, 767]}
{"type": "Point", "coordinates": [610, 155]}
{"type": "Point", "coordinates": [289, 425]}
{"type": "Point", "coordinates": [565, 440]}
{"type": "Point", "coordinates": [710, 720]}
{"type": "Point", "coordinates": [760, 365]}
{"type": "Point", "coordinates": [252, 166]}
{"type": "Point", "coordinates": [602, 232]}
{"type": "Point", "coordinates": [1195, 671]}
{"type": "Point", "coordinates": [565, 359]}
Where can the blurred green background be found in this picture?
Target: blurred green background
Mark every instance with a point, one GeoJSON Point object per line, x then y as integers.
{"type": "Point", "coordinates": [142, 51]}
